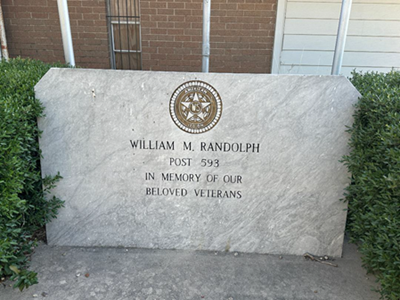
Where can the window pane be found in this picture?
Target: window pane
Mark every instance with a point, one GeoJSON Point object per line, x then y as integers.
{"type": "Point", "coordinates": [128, 61]}
{"type": "Point", "coordinates": [126, 37]}
{"type": "Point", "coordinates": [125, 8]}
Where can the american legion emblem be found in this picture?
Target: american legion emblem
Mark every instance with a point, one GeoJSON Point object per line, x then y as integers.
{"type": "Point", "coordinates": [195, 107]}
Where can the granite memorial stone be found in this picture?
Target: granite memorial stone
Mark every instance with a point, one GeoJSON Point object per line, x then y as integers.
{"type": "Point", "coordinates": [224, 162]}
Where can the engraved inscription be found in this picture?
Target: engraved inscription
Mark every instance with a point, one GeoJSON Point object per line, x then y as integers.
{"type": "Point", "coordinates": [211, 174]}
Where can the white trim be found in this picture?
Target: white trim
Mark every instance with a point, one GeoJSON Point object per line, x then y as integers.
{"type": "Point", "coordinates": [278, 39]}
{"type": "Point", "coordinates": [124, 22]}
{"type": "Point", "coordinates": [127, 51]}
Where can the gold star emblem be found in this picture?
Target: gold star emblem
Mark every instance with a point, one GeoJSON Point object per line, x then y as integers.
{"type": "Point", "coordinates": [196, 107]}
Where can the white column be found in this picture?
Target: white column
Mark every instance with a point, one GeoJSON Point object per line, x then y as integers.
{"type": "Point", "coordinates": [66, 32]}
{"type": "Point", "coordinates": [206, 35]}
{"type": "Point", "coordinates": [3, 40]}
{"type": "Point", "coordinates": [341, 37]}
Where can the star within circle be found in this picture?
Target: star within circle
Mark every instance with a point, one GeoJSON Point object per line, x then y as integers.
{"type": "Point", "coordinates": [195, 103]}
{"type": "Point", "coordinates": [195, 107]}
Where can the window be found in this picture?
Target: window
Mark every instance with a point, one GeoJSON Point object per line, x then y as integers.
{"type": "Point", "coordinates": [123, 19]}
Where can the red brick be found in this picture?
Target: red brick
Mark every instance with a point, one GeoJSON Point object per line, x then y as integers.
{"type": "Point", "coordinates": [182, 38]}
{"type": "Point", "coordinates": [175, 32]}
{"type": "Point", "coordinates": [158, 56]}
{"type": "Point", "coordinates": [75, 3]}
{"type": "Point", "coordinates": [23, 15]}
{"type": "Point", "coordinates": [193, 32]}
{"type": "Point", "coordinates": [254, 26]}
{"type": "Point", "coordinates": [181, 25]}
{"type": "Point", "coordinates": [165, 24]}
{"type": "Point", "coordinates": [246, 6]}
{"type": "Point", "coordinates": [234, 13]}
{"type": "Point", "coordinates": [91, 16]}
{"type": "Point", "coordinates": [41, 9]}
{"type": "Point", "coordinates": [159, 18]}
{"type": "Point", "coordinates": [15, 8]}
{"type": "Point", "coordinates": [165, 11]}
{"type": "Point", "coordinates": [185, 12]}
{"type": "Point", "coordinates": [159, 5]}
{"type": "Point", "coordinates": [40, 15]}
{"type": "Point", "coordinates": [230, 6]}
{"type": "Point", "coordinates": [99, 10]}
{"type": "Point", "coordinates": [148, 11]}
{"type": "Point", "coordinates": [149, 24]}
{"type": "Point", "coordinates": [75, 16]}
{"type": "Point", "coordinates": [174, 56]}
{"type": "Point", "coordinates": [176, 18]}
{"type": "Point", "coordinates": [90, 3]}
{"type": "Point", "coordinates": [158, 31]}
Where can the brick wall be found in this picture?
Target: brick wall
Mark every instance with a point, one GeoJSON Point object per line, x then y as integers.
{"type": "Point", "coordinates": [33, 30]}
{"type": "Point", "coordinates": [242, 34]}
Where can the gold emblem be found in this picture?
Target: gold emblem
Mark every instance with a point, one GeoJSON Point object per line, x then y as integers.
{"type": "Point", "coordinates": [195, 107]}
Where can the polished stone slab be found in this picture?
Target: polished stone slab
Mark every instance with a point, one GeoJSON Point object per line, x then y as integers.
{"type": "Point", "coordinates": [264, 178]}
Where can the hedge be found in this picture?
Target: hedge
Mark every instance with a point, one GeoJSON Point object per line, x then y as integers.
{"type": "Point", "coordinates": [23, 207]}
{"type": "Point", "coordinates": [374, 162]}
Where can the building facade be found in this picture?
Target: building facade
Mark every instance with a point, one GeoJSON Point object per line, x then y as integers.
{"type": "Point", "coordinates": [247, 36]}
{"type": "Point", "coordinates": [162, 35]}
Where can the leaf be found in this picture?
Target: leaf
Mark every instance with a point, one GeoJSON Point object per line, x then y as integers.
{"type": "Point", "coordinates": [14, 269]}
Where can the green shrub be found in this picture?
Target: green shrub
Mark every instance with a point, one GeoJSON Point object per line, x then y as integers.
{"type": "Point", "coordinates": [23, 208]}
{"type": "Point", "coordinates": [374, 162]}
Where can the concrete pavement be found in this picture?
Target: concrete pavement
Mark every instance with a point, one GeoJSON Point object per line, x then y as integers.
{"type": "Point", "coordinates": [67, 273]}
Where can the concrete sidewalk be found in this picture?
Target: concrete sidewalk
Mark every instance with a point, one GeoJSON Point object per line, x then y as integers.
{"type": "Point", "coordinates": [67, 273]}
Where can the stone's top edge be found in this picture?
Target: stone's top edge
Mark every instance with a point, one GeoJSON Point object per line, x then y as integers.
{"type": "Point", "coordinates": [189, 73]}
{"type": "Point", "coordinates": [349, 82]}
{"type": "Point", "coordinates": [48, 73]}
{"type": "Point", "coordinates": [194, 75]}
{"type": "Point", "coordinates": [37, 85]}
